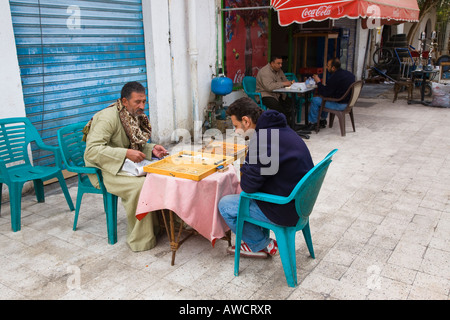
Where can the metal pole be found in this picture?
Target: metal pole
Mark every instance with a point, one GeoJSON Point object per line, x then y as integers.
{"type": "Point", "coordinates": [193, 52]}
{"type": "Point", "coordinates": [247, 8]}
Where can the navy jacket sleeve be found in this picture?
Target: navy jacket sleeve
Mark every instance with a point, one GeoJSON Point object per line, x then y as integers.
{"type": "Point", "coordinates": [337, 85]}
{"type": "Point", "coordinates": [251, 179]}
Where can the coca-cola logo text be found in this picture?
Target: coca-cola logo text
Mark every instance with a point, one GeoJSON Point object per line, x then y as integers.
{"type": "Point", "coordinates": [315, 13]}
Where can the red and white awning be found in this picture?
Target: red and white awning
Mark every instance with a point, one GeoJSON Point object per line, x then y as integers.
{"type": "Point", "coordinates": [300, 11]}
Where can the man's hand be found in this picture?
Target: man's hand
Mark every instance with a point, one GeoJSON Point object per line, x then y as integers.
{"type": "Point", "coordinates": [159, 151]}
{"type": "Point", "coordinates": [316, 78]}
{"type": "Point", "coordinates": [135, 155]}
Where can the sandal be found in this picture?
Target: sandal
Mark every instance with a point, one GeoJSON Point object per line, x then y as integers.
{"type": "Point", "coordinates": [246, 252]}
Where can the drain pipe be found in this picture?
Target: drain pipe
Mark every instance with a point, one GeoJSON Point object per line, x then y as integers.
{"type": "Point", "coordinates": [193, 53]}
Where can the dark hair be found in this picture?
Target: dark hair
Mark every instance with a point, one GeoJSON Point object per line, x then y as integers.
{"type": "Point", "coordinates": [245, 107]}
{"type": "Point", "coordinates": [335, 62]}
{"type": "Point", "coordinates": [131, 87]}
{"type": "Point", "coordinates": [275, 57]}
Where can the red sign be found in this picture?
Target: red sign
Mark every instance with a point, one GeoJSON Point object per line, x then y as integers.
{"type": "Point", "coordinates": [322, 11]}
{"type": "Point", "coordinates": [246, 42]}
{"type": "Point", "coordinates": [300, 11]}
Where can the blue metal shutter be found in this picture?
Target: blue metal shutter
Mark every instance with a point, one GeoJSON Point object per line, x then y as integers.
{"type": "Point", "coordinates": [74, 57]}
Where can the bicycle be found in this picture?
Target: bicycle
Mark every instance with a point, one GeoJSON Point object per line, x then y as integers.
{"type": "Point", "coordinates": [383, 57]}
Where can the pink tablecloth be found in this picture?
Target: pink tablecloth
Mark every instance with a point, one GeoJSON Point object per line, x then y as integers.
{"type": "Point", "coordinates": [195, 202]}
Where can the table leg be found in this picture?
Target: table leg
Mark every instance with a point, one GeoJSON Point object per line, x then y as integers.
{"type": "Point", "coordinates": [305, 133]}
{"type": "Point", "coordinates": [228, 237]}
{"type": "Point", "coordinates": [422, 90]}
{"type": "Point", "coordinates": [307, 98]}
{"type": "Point", "coordinates": [172, 234]}
{"type": "Point", "coordinates": [423, 78]}
{"type": "Point", "coordinates": [293, 112]}
{"type": "Point", "coordinates": [175, 235]}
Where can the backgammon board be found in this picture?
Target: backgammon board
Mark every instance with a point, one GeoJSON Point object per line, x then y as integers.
{"type": "Point", "coordinates": [189, 165]}
{"type": "Point", "coordinates": [225, 148]}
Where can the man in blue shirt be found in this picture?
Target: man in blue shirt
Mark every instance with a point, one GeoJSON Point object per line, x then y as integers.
{"type": "Point", "coordinates": [336, 87]}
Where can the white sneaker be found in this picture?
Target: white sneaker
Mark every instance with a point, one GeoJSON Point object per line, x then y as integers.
{"type": "Point", "coordinates": [246, 252]}
{"type": "Point", "coordinates": [272, 248]}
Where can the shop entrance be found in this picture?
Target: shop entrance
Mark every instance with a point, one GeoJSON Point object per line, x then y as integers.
{"type": "Point", "coordinates": [306, 47]}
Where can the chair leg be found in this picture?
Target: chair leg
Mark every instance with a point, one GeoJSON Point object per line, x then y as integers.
{"type": "Point", "coordinates": [286, 246]}
{"type": "Point", "coordinates": [62, 183]}
{"type": "Point", "coordinates": [307, 235]}
{"type": "Point", "coordinates": [353, 120]}
{"type": "Point", "coordinates": [237, 245]}
{"type": "Point", "coordinates": [111, 217]}
{"type": "Point", "coordinates": [77, 210]}
{"type": "Point", "coordinates": [331, 120]}
{"type": "Point", "coordinates": [15, 201]}
{"type": "Point", "coordinates": [243, 208]}
{"type": "Point", "coordinates": [397, 88]}
{"type": "Point", "coordinates": [342, 123]}
{"type": "Point", "coordinates": [410, 92]}
{"type": "Point", "coordinates": [1, 194]}
{"type": "Point", "coordinates": [39, 190]}
{"type": "Point", "coordinates": [318, 117]}
{"type": "Point", "coordinates": [293, 259]}
{"type": "Point", "coordinates": [318, 126]}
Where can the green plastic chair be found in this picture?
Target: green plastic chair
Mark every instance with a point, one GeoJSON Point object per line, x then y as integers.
{"type": "Point", "coordinates": [305, 195]}
{"type": "Point", "coordinates": [249, 84]}
{"type": "Point", "coordinates": [72, 148]}
{"type": "Point", "coordinates": [291, 76]}
{"type": "Point", "coordinates": [16, 134]}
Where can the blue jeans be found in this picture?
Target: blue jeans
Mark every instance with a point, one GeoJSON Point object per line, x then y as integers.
{"type": "Point", "coordinates": [256, 237]}
{"type": "Point", "coordinates": [315, 107]}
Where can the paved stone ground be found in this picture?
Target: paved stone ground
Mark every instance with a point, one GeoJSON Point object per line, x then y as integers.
{"type": "Point", "coordinates": [380, 228]}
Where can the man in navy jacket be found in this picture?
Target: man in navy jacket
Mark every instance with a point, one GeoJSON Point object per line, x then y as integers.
{"type": "Point", "coordinates": [276, 161]}
{"type": "Point", "coordinates": [336, 87]}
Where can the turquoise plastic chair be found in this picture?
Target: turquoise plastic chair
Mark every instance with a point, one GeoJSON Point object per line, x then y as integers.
{"type": "Point", "coordinates": [305, 195]}
{"type": "Point", "coordinates": [72, 148]}
{"type": "Point", "coordinates": [16, 134]}
{"type": "Point", "coordinates": [291, 76]}
{"type": "Point", "coordinates": [249, 84]}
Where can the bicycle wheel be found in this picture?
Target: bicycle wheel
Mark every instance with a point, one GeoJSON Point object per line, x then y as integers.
{"type": "Point", "coordinates": [382, 57]}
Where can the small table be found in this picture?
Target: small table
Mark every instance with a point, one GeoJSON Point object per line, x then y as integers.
{"type": "Point", "coordinates": [195, 202]}
{"type": "Point", "coordinates": [422, 74]}
{"type": "Point", "coordinates": [306, 93]}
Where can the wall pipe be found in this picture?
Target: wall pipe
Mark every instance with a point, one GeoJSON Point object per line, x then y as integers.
{"type": "Point", "coordinates": [193, 53]}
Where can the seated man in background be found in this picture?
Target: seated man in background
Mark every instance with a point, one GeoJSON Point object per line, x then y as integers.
{"type": "Point", "coordinates": [289, 161]}
{"type": "Point", "coordinates": [337, 85]}
{"type": "Point", "coordinates": [270, 78]}
{"type": "Point", "coordinates": [120, 132]}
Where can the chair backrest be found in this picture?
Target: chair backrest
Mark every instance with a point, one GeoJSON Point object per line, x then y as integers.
{"type": "Point", "coordinates": [356, 88]}
{"type": "Point", "coordinates": [291, 76]}
{"type": "Point", "coordinates": [308, 188]}
{"type": "Point", "coordinates": [249, 84]}
{"type": "Point", "coordinates": [70, 139]}
{"type": "Point", "coordinates": [15, 136]}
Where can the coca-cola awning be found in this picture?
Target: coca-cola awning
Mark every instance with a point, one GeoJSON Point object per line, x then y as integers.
{"type": "Point", "coordinates": [300, 11]}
